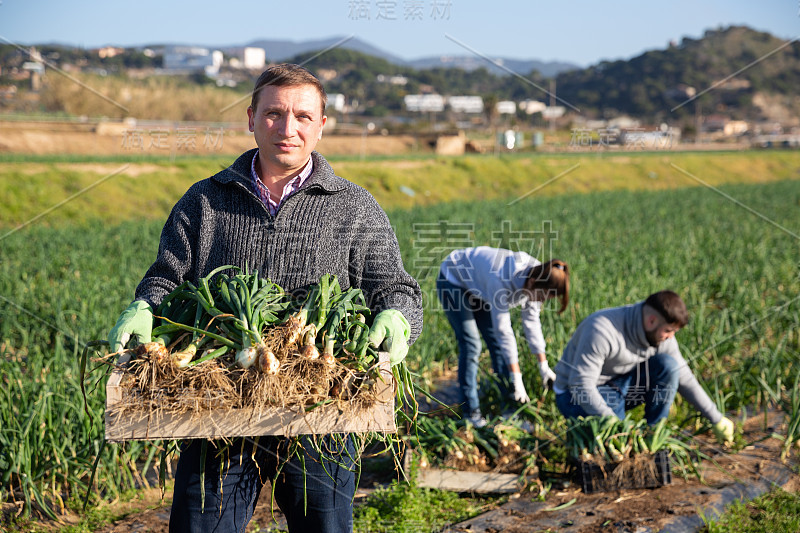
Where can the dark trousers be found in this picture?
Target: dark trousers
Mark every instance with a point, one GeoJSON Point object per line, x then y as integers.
{"type": "Point", "coordinates": [471, 318]}
{"type": "Point", "coordinates": [314, 491]}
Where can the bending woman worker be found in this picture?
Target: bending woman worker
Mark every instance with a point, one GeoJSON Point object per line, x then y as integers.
{"type": "Point", "coordinates": [477, 288]}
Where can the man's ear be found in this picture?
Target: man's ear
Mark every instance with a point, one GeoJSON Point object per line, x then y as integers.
{"type": "Point", "coordinates": [650, 320]}
{"type": "Point", "coordinates": [250, 119]}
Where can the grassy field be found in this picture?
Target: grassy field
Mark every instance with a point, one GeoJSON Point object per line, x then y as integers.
{"type": "Point", "coordinates": [730, 250]}
{"type": "Point", "coordinates": [114, 189]}
{"type": "Point", "coordinates": [777, 512]}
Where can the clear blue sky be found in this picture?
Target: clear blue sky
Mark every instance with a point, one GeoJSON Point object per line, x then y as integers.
{"type": "Point", "coordinates": [581, 32]}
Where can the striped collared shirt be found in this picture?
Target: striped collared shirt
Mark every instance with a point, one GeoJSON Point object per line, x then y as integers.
{"type": "Point", "coordinates": [289, 189]}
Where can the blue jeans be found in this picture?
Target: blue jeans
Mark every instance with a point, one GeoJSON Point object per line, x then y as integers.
{"type": "Point", "coordinates": [653, 383]}
{"type": "Point", "coordinates": [470, 318]}
{"type": "Point", "coordinates": [321, 499]}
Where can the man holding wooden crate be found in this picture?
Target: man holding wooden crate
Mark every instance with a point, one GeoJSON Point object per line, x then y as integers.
{"type": "Point", "coordinates": [281, 210]}
{"type": "Point", "coordinates": [622, 357]}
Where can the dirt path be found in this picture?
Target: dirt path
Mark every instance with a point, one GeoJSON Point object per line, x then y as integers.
{"type": "Point", "coordinates": [133, 140]}
{"type": "Point", "coordinates": [675, 508]}
{"type": "Point", "coordinates": [156, 520]}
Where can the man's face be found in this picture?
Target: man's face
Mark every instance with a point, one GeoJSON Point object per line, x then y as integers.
{"type": "Point", "coordinates": [657, 330]}
{"type": "Point", "coordinates": [287, 125]}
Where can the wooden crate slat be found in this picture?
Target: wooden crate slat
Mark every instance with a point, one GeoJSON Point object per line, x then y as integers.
{"type": "Point", "coordinates": [331, 418]}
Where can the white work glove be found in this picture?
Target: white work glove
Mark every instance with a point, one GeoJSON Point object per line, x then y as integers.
{"type": "Point", "coordinates": [548, 376]}
{"type": "Point", "coordinates": [520, 394]}
{"type": "Point", "coordinates": [723, 430]}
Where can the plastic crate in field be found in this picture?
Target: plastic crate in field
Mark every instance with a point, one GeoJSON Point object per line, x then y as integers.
{"type": "Point", "coordinates": [643, 471]}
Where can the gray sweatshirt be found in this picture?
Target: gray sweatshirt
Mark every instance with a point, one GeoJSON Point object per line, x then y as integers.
{"type": "Point", "coordinates": [612, 342]}
{"type": "Point", "coordinates": [497, 277]}
{"type": "Point", "coordinates": [329, 226]}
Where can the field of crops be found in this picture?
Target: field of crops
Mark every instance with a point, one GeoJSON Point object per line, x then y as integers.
{"type": "Point", "coordinates": [730, 251]}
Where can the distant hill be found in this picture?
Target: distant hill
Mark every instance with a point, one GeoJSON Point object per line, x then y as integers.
{"type": "Point", "coordinates": [734, 72]}
{"type": "Point", "coordinates": [517, 66]}
{"type": "Point", "coordinates": [760, 74]}
{"type": "Point", "coordinates": [737, 72]}
{"type": "Point", "coordinates": [379, 85]}
{"type": "Point", "coordinates": [281, 50]}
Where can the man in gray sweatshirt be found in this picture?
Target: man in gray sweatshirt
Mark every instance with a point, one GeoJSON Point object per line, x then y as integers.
{"type": "Point", "coordinates": [281, 210]}
{"type": "Point", "coordinates": [621, 357]}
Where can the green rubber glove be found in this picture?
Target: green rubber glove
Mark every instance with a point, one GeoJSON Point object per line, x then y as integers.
{"type": "Point", "coordinates": [723, 430]}
{"type": "Point", "coordinates": [137, 320]}
{"type": "Point", "coordinates": [390, 329]}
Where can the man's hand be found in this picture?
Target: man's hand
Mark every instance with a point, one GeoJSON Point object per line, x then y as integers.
{"type": "Point", "coordinates": [520, 394]}
{"type": "Point", "coordinates": [723, 430]}
{"type": "Point", "coordinates": [390, 329]}
{"type": "Point", "coordinates": [548, 376]}
{"type": "Point", "coordinates": [137, 320]}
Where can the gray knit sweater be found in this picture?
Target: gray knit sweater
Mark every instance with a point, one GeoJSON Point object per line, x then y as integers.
{"type": "Point", "coordinates": [612, 342]}
{"type": "Point", "coordinates": [329, 226]}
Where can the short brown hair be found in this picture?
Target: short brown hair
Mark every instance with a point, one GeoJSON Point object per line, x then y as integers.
{"type": "Point", "coordinates": [552, 276]}
{"type": "Point", "coordinates": [284, 75]}
{"type": "Point", "coordinates": [670, 306]}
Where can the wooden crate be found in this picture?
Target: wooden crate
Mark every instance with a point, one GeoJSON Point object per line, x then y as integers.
{"type": "Point", "coordinates": [212, 424]}
{"type": "Point", "coordinates": [463, 481]}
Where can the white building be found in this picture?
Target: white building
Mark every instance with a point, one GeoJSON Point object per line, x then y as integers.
{"type": "Point", "coordinates": [506, 107]}
{"type": "Point", "coordinates": [393, 80]}
{"type": "Point", "coordinates": [554, 111]}
{"type": "Point", "coordinates": [424, 102]}
{"type": "Point", "coordinates": [109, 51]}
{"type": "Point", "coordinates": [623, 122]}
{"type": "Point", "coordinates": [466, 104]}
{"type": "Point", "coordinates": [735, 127]}
{"type": "Point", "coordinates": [192, 58]}
{"type": "Point", "coordinates": [254, 58]}
{"type": "Point", "coordinates": [336, 102]}
{"type": "Point", "coordinates": [532, 106]}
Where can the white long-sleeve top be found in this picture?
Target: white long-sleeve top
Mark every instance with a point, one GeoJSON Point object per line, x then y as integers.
{"type": "Point", "coordinates": [497, 277]}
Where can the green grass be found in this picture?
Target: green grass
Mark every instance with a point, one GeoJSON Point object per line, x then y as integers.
{"type": "Point", "coordinates": [95, 517]}
{"type": "Point", "coordinates": [621, 246]}
{"type": "Point", "coordinates": [777, 511]}
{"type": "Point", "coordinates": [407, 507]}
{"type": "Point", "coordinates": [63, 283]}
{"type": "Point", "coordinates": [147, 187]}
